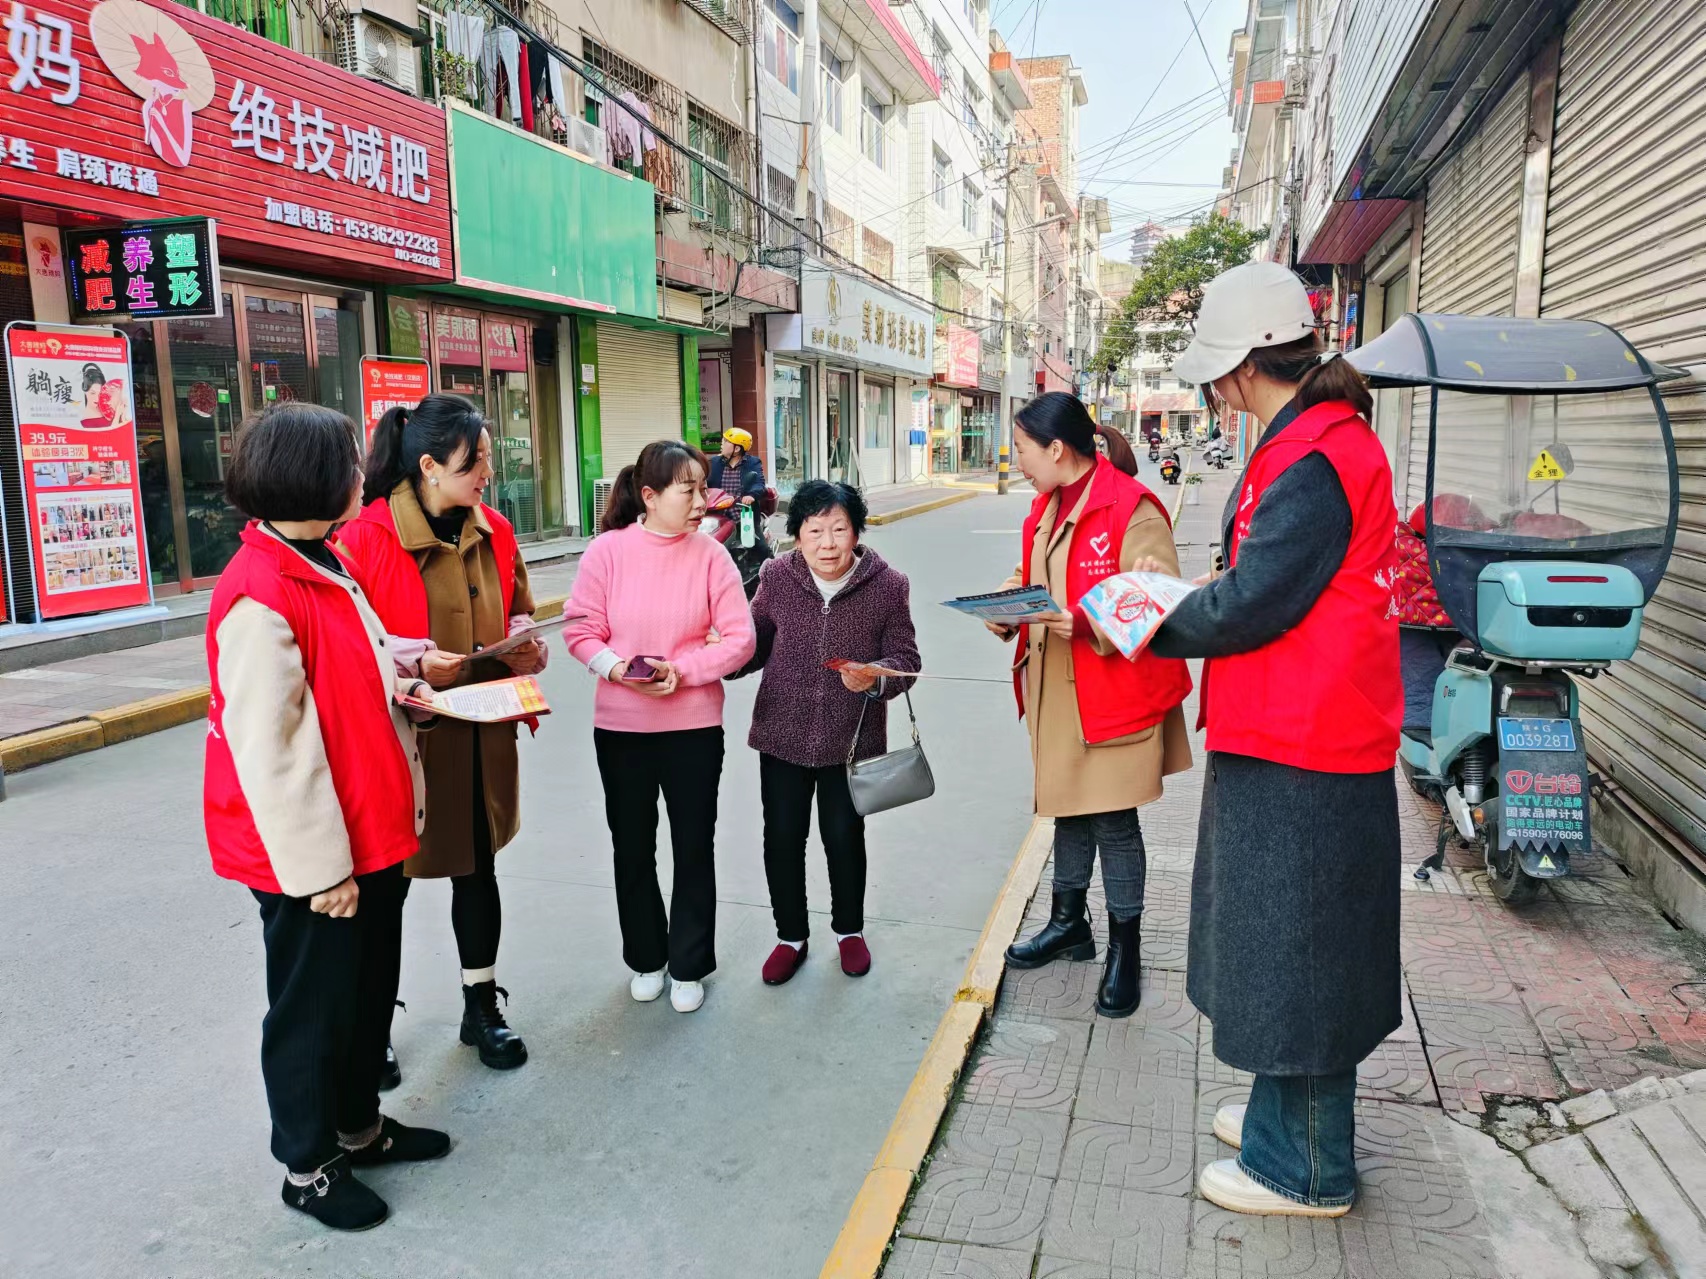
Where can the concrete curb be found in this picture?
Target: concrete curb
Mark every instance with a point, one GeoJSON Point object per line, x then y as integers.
{"type": "Point", "coordinates": [865, 1235]}
{"type": "Point", "coordinates": [135, 719]}
{"type": "Point", "coordinates": [935, 504]}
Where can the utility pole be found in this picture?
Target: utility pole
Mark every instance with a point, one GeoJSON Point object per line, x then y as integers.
{"type": "Point", "coordinates": [1004, 428]}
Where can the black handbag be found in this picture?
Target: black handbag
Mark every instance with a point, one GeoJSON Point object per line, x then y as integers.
{"type": "Point", "coordinates": [891, 780]}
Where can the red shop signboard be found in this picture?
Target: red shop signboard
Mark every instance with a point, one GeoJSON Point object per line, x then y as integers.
{"type": "Point", "coordinates": [143, 109]}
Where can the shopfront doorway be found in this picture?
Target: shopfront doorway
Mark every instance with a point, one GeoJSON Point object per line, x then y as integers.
{"type": "Point", "coordinates": [841, 427]}
{"type": "Point", "coordinates": [876, 435]}
{"type": "Point", "coordinates": [198, 379]}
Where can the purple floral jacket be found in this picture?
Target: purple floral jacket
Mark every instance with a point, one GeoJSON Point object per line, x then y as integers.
{"type": "Point", "coordinates": [804, 715]}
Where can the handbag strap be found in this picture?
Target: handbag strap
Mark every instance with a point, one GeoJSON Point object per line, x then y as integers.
{"type": "Point", "coordinates": [853, 748]}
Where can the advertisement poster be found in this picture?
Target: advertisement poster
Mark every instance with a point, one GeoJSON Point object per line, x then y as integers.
{"type": "Point", "coordinates": [146, 271]}
{"type": "Point", "coordinates": [387, 382]}
{"type": "Point", "coordinates": [77, 443]}
{"type": "Point", "coordinates": [1129, 607]}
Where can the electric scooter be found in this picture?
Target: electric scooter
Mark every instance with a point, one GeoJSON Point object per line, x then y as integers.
{"type": "Point", "coordinates": [1552, 501]}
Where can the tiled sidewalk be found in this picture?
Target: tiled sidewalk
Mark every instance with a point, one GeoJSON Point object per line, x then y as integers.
{"type": "Point", "coordinates": [57, 693]}
{"type": "Point", "coordinates": [1073, 1146]}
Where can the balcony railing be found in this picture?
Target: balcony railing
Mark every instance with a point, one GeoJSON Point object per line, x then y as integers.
{"type": "Point", "coordinates": [312, 27]}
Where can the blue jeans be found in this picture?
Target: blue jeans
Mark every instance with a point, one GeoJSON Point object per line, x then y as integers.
{"type": "Point", "coordinates": [1119, 837]}
{"type": "Point", "coordinates": [1299, 1137]}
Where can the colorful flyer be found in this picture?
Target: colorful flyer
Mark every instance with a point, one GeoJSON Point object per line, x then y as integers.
{"type": "Point", "coordinates": [388, 382]}
{"type": "Point", "coordinates": [1129, 607]}
{"type": "Point", "coordinates": [76, 429]}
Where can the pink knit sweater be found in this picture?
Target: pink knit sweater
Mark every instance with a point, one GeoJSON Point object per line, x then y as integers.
{"type": "Point", "coordinates": [648, 596]}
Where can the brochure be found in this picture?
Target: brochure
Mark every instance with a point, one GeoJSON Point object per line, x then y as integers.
{"type": "Point", "coordinates": [494, 702]}
{"type": "Point", "coordinates": [535, 631]}
{"type": "Point", "coordinates": [1006, 608]}
{"type": "Point", "coordinates": [1129, 607]}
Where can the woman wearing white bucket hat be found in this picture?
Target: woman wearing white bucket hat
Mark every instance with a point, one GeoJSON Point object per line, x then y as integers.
{"type": "Point", "coordinates": [1294, 907]}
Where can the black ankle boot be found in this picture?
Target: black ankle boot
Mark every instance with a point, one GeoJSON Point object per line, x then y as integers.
{"type": "Point", "coordinates": [1066, 933]}
{"type": "Point", "coordinates": [336, 1199]}
{"type": "Point", "coordinates": [390, 1074]}
{"type": "Point", "coordinates": [1119, 995]}
{"type": "Point", "coordinates": [484, 1027]}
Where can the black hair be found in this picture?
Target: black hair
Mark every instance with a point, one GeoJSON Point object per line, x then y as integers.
{"type": "Point", "coordinates": [437, 427]}
{"type": "Point", "coordinates": [660, 464]}
{"type": "Point", "coordinates": [1059, 416]}
{"type": "Point", "coordinates": [294, 461]}
{"type": "Point", "coordinates": [820, 497]}
{"type": "Point", "coordinates": [92, 376]}
{"type": "Point", "coordinates": [1300, 364]}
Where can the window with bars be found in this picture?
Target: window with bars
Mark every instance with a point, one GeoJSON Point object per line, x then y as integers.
{"type": "Point", "coordinates": [838, 231]}
{"type": "Point", "coordinates": [945, 287]}
{"type": "Point", "coordinates": [878, 255]}
{"type": "Point", "coordinates": [715, 144]}
{"type": "Point", "coordinates": [779, 191]}
{"type": "Point", "coordinates": [632, 146]}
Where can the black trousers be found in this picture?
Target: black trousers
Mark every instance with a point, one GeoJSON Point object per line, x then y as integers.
{"type": "Point", "coordinates": [686, 766]}
{"type": "Point", "coordinates": [786, 790]}
{"type": "Point", "coordinates": [476, 910]}
{"type": "Point", "coordinates": [331, 988]}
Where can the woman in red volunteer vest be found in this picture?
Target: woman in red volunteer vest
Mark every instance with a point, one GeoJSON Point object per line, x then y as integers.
{"type": "Point", "coordinates": [1294, 898]}
{"type": "Point", "coordinates": [444, 570]}
{"type": "Point", "coordinates": [1103, 730]}
{"type": "Point", "coordinates": [313, 797]}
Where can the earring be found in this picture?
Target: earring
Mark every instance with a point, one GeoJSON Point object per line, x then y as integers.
{"type": "Point", "coordinates": [432, 480]}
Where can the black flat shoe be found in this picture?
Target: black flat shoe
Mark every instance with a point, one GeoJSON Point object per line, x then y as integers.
{"type": "Point", "coordinates": [391, 1074]}
{"type": "Point", "coordinates": [483, 1026]}
{"type": "Point", "coordinates": [1120, 992]}
{"type": "Point", "coordinates": [1066, 933]}
{"type": "Point", "coordinates": [336, 1199]}
{"type": "Point", "coordinates": [399, 1143]}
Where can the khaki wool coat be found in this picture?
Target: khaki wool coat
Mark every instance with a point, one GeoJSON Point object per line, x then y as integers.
{"type": "Point", "coordinates": [464, 608]}
{"type": "Point", "coordinates": [1072, 778]}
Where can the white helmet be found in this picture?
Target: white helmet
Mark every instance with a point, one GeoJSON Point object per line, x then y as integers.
{"type": "Point", "coordinates": [1256, 304]}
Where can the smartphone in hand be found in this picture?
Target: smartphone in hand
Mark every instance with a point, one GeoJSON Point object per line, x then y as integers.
{"type": "Point", "coordinates": [641, 671]}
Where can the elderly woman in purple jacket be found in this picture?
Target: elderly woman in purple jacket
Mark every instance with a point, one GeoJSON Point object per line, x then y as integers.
{"type": "Point", "coordinates": [830, 597]}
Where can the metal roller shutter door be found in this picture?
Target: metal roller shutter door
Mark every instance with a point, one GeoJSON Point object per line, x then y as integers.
{"type": "Point", "coordinates": [1626, 244]}
{"type": "Point", "coordinates": [639, 391]}
{"type": "Point", "coordinates": [1469, 250]}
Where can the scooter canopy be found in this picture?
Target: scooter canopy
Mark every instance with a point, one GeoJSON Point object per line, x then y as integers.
{"type": "Point", "coordinates": [1502, 355]}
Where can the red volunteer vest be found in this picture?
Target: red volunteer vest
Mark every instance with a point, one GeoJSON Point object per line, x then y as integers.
{"type": "Point", "coordinates": [368, 767]}
{"type": "Point", "coordinates": [1115, 697]}
{"type": "Point", "coordinates": [392, 577]}
{"type": "Point", "coordinates": [1326, 695]}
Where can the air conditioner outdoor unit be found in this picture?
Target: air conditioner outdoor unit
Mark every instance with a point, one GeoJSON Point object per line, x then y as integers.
{"type": "Point", "coordinates": [601, 491]}
{"type": "Point", "coordinates": [587, 138]}
{"type": "Point", "coordinates": [378, 51]}
{"type": "Point", "coordinates": [1296, 83]}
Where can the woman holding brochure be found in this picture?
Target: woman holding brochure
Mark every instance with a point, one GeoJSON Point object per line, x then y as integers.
{"type": "Point", "coordinates": [1294, 898]}
{"type": "Point", "coordinates": [662, 619]}
{"type": "Point", "coordinates": [1104, 731]}
{"type": "Point", "coordinates": [444, 569]}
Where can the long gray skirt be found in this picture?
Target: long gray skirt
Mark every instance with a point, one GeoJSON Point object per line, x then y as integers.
{"type": "Point", "coordinates": [1294, 915]}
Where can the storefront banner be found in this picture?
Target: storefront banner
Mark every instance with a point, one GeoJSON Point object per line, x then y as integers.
{"type": "Point", "coordinates": [149, 271]}
{"type": "Point", "coordinates": [71, 396]}
{"type": "Point", "coordinates": [851, 320]}
{"type": "Point", "coordinates": [388, 383]}
{"type": "Point", "coordinates": [47, 273]}
{"type": "Point", "coordinates": [963, 352]}
{"type": "Point", "coordinates": [139, 110]}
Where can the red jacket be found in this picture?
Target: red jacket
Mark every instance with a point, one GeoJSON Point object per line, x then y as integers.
{"type": "Point", "coordinates": [1413, 594]}
{"type": "Point", "coordinates": [392, 578]}
{"type": "Point", "coordinates": [368, 745]}
{"type": "Point", "coordinates": [1116, 697]}
{"type": "Point", "coordinates": [1326, 695]}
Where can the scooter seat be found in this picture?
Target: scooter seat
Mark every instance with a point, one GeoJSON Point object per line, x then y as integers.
{"type": "Point", "coordinates": [1423, 735]}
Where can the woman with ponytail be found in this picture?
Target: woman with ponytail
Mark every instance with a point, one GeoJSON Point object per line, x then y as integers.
{"type": "Point", "coordinates": [1294, 896]}
{"type": "Point", "coordinates": [662, 618]}
{"type": "Point", "coordinates": [443, 569]}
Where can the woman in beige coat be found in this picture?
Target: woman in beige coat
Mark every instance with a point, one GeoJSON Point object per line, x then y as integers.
{"type": "Point", "coordinates": [1104, 731]}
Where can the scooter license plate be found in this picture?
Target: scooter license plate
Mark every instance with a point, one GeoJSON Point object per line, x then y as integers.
{"type": "Point", "coordinates": [1536, 734]}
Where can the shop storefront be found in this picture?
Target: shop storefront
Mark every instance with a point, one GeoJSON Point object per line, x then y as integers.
{"type": "Point", "coordinates": [960, 436]}
{"type": "Point", "coordinates": [551, 320]}
{"type": "Point", "coordinates": [321, 185]}
{"type": "Point", "coordinates": [840, 373]}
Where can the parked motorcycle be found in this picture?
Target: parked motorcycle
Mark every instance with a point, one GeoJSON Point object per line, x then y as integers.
{"type": "Point", "coordinates": [1551, 500]}
{"type": "Point", "coordinates": [741, 529]}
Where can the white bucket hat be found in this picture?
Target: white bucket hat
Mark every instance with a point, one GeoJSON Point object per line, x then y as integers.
{"type": "Point", "coordinates": [1256, 304]}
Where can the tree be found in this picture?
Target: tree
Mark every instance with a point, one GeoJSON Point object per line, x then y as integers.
{"type": "Point", "coordinates": [1161, 308]}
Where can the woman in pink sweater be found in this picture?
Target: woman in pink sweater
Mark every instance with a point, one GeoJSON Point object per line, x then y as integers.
{"type": "Point", "coordinates": [662, 619]}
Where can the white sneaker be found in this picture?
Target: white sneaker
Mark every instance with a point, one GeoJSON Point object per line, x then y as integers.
{"type": "Point", "coordinates": [686, 996]}
{"type": "Point", "coordinates": [646, 987]}
{"type": "Point", "coordinates": [1229, 1125]}
{"type": "Point", "coordinates": [1224, 1183]}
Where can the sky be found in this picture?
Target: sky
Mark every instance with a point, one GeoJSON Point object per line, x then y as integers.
{"type": "Point", "coordinates": [1142, 62]}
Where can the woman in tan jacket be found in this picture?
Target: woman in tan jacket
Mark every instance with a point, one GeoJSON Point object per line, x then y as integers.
{"type": "Point", "coordinates": [1104, 731]}
{"type": "Point", "coordinates": [443, 568]}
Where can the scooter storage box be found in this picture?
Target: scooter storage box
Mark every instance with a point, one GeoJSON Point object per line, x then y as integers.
{"type": "Point", "coordinates": [1559, 611]}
